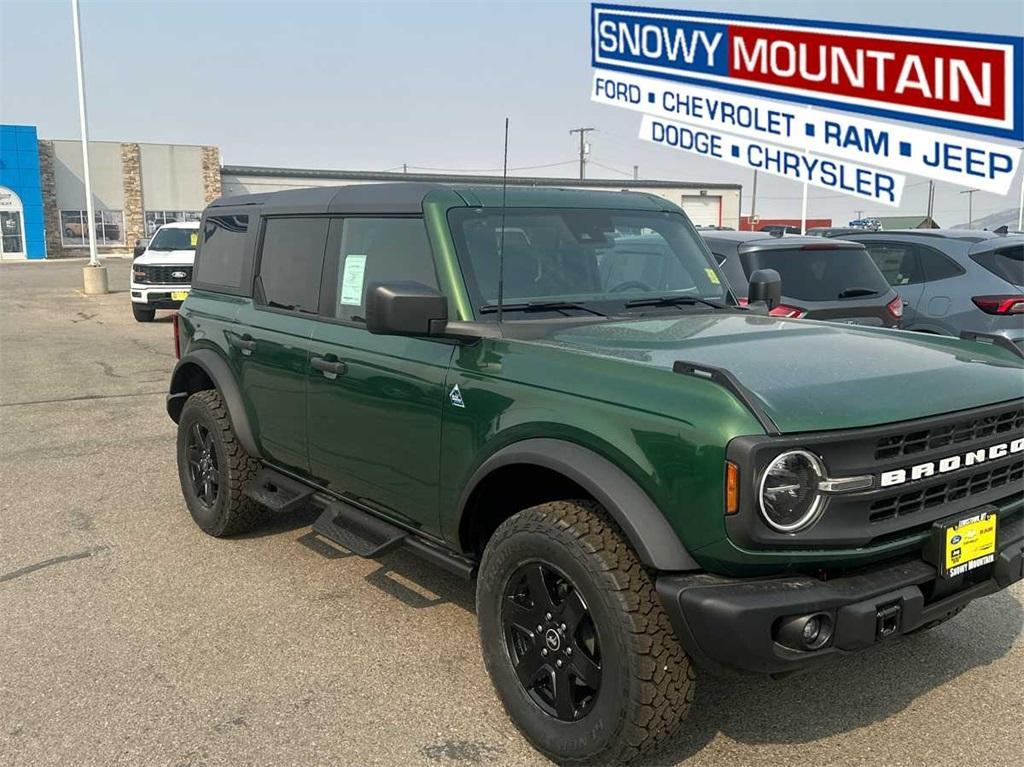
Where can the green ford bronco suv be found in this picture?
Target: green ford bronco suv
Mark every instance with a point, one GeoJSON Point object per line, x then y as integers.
{"type": "Point", "coordinates": [643, 477]}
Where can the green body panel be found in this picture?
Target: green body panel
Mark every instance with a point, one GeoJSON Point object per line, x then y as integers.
{"type": "Point", "coordinates": [388, 434]}
{"type": "Point", "coordinates": [374, 433]}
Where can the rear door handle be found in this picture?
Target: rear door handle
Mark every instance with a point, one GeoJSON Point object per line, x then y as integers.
{"type": "Point", "coordinates": [330, 368]}
{"type": "Point", "coordinates": [245, 343]}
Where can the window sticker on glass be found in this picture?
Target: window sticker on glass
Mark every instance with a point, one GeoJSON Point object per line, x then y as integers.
{"type": "Point", "coordinates": [712, 276]}
{"type": "Point", "coordinates": [352, 280]}
{"type": "Point", "coordinates": [194, 239]}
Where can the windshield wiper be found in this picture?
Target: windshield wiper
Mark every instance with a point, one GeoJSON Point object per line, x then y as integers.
{"type": "Point", "coordinates": [857, 292]}
{"type": "Point", "coordinates": [674, 301]}
{"type": "Point", "coordinates": [540, 306]}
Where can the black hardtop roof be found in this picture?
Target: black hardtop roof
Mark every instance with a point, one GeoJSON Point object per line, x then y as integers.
{"type": "Point", "coordinates": [750, 241]}
{"type": "Point", "coordinates": [408, 197]}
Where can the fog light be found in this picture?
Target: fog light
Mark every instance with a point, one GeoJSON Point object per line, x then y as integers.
{"type": "Point", "coordinates": [805, 632]}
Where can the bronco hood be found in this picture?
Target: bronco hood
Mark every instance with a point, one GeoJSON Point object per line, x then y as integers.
{"type": "Point", "coordinates": [813, 376]}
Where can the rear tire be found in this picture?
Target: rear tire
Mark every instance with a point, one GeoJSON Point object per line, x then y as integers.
{"type": "Point", "coordinates": [213, 467]}
{"type": "Point", "coordinates": [143, 315]}
{"type": "Point", "coordinates": [628, 681]}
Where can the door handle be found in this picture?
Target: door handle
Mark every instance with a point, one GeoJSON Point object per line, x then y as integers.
{"type": "Point", "coordinates": [245, 343]}
{"type": "Point", "coordinates": [330, 368]}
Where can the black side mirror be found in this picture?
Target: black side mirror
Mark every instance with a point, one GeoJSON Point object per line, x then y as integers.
{"type": "Point", "coordinates": [405, 309]}
{"type": "Point", "coordinates": [765, 287]}
{"type": "Point", "coordinates": [140, 247]}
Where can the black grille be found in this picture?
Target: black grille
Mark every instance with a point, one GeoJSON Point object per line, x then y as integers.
{"type": "Point", "coordinates": [946, 492]}
{"type": "Point", "coordinates": [967, 430]}
{"type": "Point", "coordinates": [164, 275]}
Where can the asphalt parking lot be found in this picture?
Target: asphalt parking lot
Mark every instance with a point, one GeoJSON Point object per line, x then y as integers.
{"type": "Point", "coordinates": [127, 636]}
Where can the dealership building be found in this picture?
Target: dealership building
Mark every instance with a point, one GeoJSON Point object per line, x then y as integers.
{"type": "Point", "coordinates": [138, 186]}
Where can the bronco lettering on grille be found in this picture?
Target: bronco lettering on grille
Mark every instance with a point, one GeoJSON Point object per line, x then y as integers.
{"type": "Point", "coordinates": [951, 463]}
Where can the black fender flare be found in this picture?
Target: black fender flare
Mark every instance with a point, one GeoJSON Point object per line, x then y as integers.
{"type": "Point", "coordinates": [654, 539]}
{"type": "Point", "coordinates": [219, 372]}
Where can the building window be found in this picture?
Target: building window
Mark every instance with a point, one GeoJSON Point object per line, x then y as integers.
{"type": "Point", "coordinates": [74, 227]}
{"type": "Point", "coordinates": [157, 218]}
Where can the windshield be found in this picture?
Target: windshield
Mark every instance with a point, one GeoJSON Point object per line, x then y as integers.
{"type": "Point", "coordinates": [810, 274]}
{"type": "Point", "coordinates": [585, 260]}
{"type": "Point", "coordinates": [174, 238]}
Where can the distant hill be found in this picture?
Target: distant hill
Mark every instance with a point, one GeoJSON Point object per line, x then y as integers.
{"type": "Point", "coordinates": [992, 221]}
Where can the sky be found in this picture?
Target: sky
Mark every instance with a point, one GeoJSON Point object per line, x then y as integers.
{"type": "Point", "coordinates": [370, 86]}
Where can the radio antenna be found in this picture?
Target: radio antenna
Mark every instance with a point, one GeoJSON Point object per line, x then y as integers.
{"type": "Point", "coordinates": [501, 236]}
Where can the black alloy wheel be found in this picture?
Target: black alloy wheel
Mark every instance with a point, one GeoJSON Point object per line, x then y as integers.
{"type": "Point", "coordinates": [203, 469]}
{"type": "Point", "coordinates": [552, 641]}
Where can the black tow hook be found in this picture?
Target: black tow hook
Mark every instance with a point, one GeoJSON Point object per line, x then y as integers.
{"type": "Point", "coordinates": [887, 620]}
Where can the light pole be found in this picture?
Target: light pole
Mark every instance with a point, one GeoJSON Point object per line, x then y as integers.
{"type": "Point", "coordinates": [94, 276]}
{"type": "Point", "coordinates": [970, 206]}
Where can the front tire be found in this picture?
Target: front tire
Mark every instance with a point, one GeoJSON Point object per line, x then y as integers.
{"type": "Point", "coordinates": [574, 637]}
{"type": "Point", "coordinates": [213, 467]}
{"type": "Point", "coordinates": [143, 315]}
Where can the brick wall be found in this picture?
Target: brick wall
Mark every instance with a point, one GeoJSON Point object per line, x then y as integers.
{"type": "Point", "coordinates": [51, 214]}
{"type": "Point", "coordinates": [211, 174]}
{"type": "Point", "coordinates": [134, 216]}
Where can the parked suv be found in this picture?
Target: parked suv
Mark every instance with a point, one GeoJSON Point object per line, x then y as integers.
{"type": "Point", "coordinates": [954, 280]}
{"type": "Point", "coordinates": [643, 477]}
{"type": "Point", "coordinates": [162, 274]}
{"type": "Point", "coordinates": [821, 279]}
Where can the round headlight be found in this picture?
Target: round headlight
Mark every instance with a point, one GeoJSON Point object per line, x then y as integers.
{"type": "Point", "coordinates": [789, 496]}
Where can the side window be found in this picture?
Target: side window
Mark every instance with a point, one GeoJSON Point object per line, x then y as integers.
{"type": "Point", "coordinates": [291, 263]}
{"type": "Point", "coordinates": [377, 250]}
{"type": "Point", "coordinates": [221, 258]}
{"type": "Point", "coordinates": [936, 266]}
{"type": "Point", "coordinates": [897, 262]}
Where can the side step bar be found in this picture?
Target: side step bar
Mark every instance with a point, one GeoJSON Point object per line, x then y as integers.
{"type": "Point", "coordinates": [277, 492]}
{"type": "Point", "coordinates": [357, 530]}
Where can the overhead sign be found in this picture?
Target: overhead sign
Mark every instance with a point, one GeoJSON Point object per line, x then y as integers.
{"type": "Point", "coordinates": [960, 81]}
{"type": "Point", "coordinates": [975, 163]}
{"type": "Point", "coordinates": [880, 186]}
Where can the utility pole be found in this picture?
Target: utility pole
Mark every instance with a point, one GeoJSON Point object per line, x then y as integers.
{"type": "Point", "coordinates": [94, 276]}
{"type": "Point", "coordinates": [405, 167]}
{"type": "Point", "coordinates": [753, 202]}
{"type": "Point", "coordinates": [860, 215]}
{"type": "Point", "coordinates": [636, 172]}
{"type": "Point", "coordinates": [931, 198]}
{"type": "Point", "coordinates": [970, 206]}
{"type": "Point", "coordinates": [583, 147]}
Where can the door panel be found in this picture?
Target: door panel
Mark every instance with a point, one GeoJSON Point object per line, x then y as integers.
{"type": "Point", "coordinates": [273, 374]}
{"type": "Point", "coordinates": [375, 423]}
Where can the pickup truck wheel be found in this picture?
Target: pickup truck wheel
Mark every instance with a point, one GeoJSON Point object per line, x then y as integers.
{"type": "Point", "coordinates": [576, 642]}
{"type": "Point", "coordinates": [213, 466]}
{"type": "Point", "coordinates": [143, 315]}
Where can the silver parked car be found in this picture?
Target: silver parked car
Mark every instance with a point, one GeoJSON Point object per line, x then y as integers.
{"type": "Point", "coordinates": [953, 280]}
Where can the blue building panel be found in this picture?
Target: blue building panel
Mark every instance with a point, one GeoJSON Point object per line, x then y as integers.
{"type": "Point", "coordinates": [19, 172]}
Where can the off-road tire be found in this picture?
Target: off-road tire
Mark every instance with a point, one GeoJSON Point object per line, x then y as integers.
{"type": "Point", "coordinates": [232, 512]}
{"type": "Point", "coordinates": [143, 315]}
{"type": "Point", "coordinates": [647, 681]}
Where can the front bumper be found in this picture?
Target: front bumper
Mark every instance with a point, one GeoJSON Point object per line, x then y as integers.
{"type": "Point", "coordinates": [732, 623]}
{"type": "Point", "coordinates": [157, 296]}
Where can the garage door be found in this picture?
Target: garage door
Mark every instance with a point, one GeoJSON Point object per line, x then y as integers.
{"type": "Point", "coordinates": [703, 209]}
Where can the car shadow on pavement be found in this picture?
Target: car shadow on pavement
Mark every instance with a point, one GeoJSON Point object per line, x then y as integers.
{"type": "Point", "coordinates": [420, 584]}
{"type": "Point", "coordinates": [848, 693]}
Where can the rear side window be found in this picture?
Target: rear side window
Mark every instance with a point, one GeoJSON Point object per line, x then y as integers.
{"type": "Point", "coordinates": [291, 263]}
{"type": "Point", "coordinates": [377, 250]}
{"type": "Point", "coordinates": [898, 262]}
{"type": "Point", "coordinates": [820, 275]}
{"type": "Point", "coordinates": [221, 261]}
{"type": "Point", "coordinates": [937, 266]}
{"type": "Point", "coordinates": [1007, 263]}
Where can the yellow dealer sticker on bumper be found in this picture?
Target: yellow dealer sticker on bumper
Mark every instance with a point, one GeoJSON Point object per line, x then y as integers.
{"type": "Point", "coordinates": [179, 295]}
{"type": "Point", "coordinates": [970, 543]}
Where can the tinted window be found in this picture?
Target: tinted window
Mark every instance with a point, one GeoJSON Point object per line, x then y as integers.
{"type": "Point", "coordinates": [174, 238]}
{"type": "Point", "coordinates": [378, 250]}
{"type": "Point", "coordinates": [1007, 263]}
{"type": "Point", "coordinates": [221, 260]}
{"type": "Point", "coordinates": [733, 273]}
{"type": "Point", "coordinates": [898, 262]}
{"type": "Point", "coordinates": [291, 262]}
{"type": "Point", "coordinates": [820, 275]}
{"type": "Point", "coordinates": [936, 266]}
